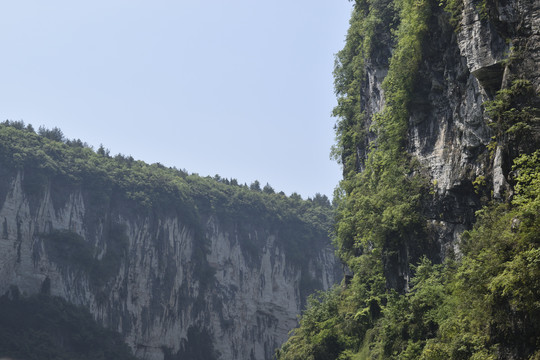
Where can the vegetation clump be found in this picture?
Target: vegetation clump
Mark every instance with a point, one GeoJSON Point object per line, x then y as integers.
{"type": "Point", "coordinates": [514, 117]}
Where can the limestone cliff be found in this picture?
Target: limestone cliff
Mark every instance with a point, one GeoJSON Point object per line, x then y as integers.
{"type": "Point", "coordinates": [465, 61]}
{"type": "Point", "coordinates": [175, 285]}
{"type": "Point", "coordinates": [449, 128]}
{"type": "Point", "coordinates": [438, 116]}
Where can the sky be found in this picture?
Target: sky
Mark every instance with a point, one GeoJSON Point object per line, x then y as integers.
{"type": "Point", "coordinates": [239, 88]}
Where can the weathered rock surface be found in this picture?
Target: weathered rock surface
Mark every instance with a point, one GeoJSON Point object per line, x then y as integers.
{"type": "Point", "coordinates": [169, 288]}
{"type": "Point", "coordinates": [448, 126]}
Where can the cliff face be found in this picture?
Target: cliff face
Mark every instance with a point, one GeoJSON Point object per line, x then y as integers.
{"type": "Point", "coordinates": [463, 65]}
{"type": "Point", "coordinates": [449, 130]}
{"type": "Point", "coordinates": [218, 290]}
{"type": "Point", "coordinates": [435, 101]}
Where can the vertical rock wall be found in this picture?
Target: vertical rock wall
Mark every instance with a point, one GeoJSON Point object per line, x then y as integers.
{"type": "Point", "coordinates": [448, 128]}
{"type": "Point", "coordinates": [173, 290]}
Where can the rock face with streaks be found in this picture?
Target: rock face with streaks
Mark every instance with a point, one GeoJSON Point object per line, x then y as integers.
{"type": "Point", "coordinates": [450, 135]}
{"type": "Point", "coordinates": [175, 289]}
{"type": "Point", "coordinates": [464, 65]}
{"type": "Point", "coordinates": [462, 68]}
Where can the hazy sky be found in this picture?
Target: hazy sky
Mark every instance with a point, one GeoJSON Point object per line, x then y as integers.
{"type": "Point", "coordinates": [239, 88]}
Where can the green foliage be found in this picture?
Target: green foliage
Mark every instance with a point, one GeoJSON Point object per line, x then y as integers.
{"type": "Point", "coordinates": [368, 19]}
{"type": "Point", "coordinates": [268, 189]}
{"type": "Point", "coordinates": [455, 9]}
{"type": "Point", "coordinates": [479, 183]}
{"type": "Point", "coordinates": [408, 320]}
{"type": "Point", "coordinates": [495, 292]}
{"type": "Point", "coordinates": [320, 336]}
{"type": "Point", "coordinates": [54, 134]}
{"type": "Point", "coordinates": [356, 323]}
{"type": "Point", "coordinates": [255, 186]}
{"type": "Point", "coordinates": [486, 305]}
{"type": "Point", "coordinates": [49, 328]}
{"type": "Point", "coordinates": [527, 188]}
{"type": "Point", "coordinates": [112, 184]}
{"type": "Point", "coordinates": [381, 204]}
{"type": "Point", "coordinates": [514, 116]}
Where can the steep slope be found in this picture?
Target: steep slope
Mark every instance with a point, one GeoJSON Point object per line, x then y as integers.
{"type": "Point", "coordinates": [181, 266]}
{"type": "Point", "coordinates": [438, 117]}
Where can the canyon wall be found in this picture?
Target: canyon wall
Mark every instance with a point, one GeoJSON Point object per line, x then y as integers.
{"type": "Point", "coordinates": [175, 288]}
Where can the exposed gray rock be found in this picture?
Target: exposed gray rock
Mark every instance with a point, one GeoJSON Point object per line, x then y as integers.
{"type": "Point", "coordinates": [500, 185]}
{"type": "Point", "coordinates": [172, 283]}
{"type": "Point", "coordinates": [448, 131]}
{"type": "Point", "coordinates": [482, 46]}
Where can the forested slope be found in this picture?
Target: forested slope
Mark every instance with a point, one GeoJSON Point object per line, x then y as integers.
{"type": "Point", "coordinates": [439, 209]}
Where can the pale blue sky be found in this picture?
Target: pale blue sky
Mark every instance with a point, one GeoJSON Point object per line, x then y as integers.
{"type": "Point", "coordinates": [239, 88]}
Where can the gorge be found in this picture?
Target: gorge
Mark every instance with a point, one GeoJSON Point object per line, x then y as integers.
{"type": "Point", "coordinates": [436, 222]}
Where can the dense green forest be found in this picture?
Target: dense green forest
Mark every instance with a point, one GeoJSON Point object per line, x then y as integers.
{"type": "Point", "coordinates": [481, 303]}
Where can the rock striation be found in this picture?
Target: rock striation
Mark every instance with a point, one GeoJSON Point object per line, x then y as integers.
{"type": "Point", "coordinates": [462, 68]}
{"type": "Point", "coordinates": [465, 63]}
{"type": "Point", "coordinates": [217, 290]}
